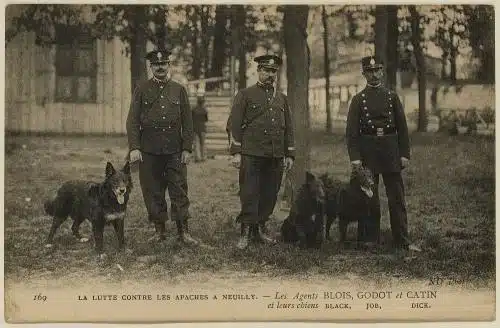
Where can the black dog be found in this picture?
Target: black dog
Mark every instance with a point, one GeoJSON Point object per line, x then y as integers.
{"type": "Point", "coordinates": [351, 202]}
{"type": "Point", "coordinates": [100, 203]}
{"type": "Point", "coordinates": [305, 221]}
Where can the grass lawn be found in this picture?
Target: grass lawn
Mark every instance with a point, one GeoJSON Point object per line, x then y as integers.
{"type": "Point", "coordinates": [449, 192]}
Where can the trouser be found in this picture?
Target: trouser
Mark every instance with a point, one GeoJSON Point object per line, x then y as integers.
{"type": "Point", "coordinates": [199, 145]}
{"type": "Point", "coordinates": [393, 183]}
{"type": "Point", "coordinates": [156, 174]}
{"type": "Point", "coordinates": [260, 180]}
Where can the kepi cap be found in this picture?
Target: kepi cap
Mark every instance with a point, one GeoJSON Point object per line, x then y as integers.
{"type": "Point", "coordinates": [371, 62]}
{"type": "Point", "coordinates": [269, 61]}
{"type": "Point", "coordinates": [158, 56]}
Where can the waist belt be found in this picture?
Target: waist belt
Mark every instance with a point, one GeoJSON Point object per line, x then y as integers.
{"type": "Point", "coordinates": [379, 132]}
{"type": "Point", "coordinates": [158, 127]}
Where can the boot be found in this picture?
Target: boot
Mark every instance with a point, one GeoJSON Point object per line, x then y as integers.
{"type": "Point", "coordinates": [254, 233]}
{"type": "Point", "coordinates": [160, 230]}
{"type": "Point", "coordinates": [184, 236]}
{"type": "Point", "coordinates": [262, 234]}
{"type": "Point", "coordinates": [245, 236]}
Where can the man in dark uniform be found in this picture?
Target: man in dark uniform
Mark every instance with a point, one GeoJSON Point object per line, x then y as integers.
{"type": "Point", "coordinates": [160, 137]}
{"type": "Point", "coordinates": [377, 137]}
{"type": "Point", "coordinates": [262, 145]}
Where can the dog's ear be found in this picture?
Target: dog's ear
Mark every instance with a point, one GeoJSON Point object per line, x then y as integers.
{"type": "Point", "coordinates": [110, 170]}
{"type": "Point", "coordinates": [126, 168]}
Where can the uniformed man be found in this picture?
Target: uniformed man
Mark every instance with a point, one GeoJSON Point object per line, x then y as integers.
{"type": "Point", "coordinates": [160, 137]}
{"type": "Point", "coordinates": [262, 145]}
{"type": "Point", "coordinates": [377, 137]}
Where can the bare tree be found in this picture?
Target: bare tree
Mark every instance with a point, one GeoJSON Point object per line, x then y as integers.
{"type": "Point", "coordinates": [220, 44]}
{"type": "Point", "coordinates": [160, 21]}
{"type": "Point", "coordinates": [298, 61]}
{"type": "Point", "coordinates": [324, 19]}
{"type": "Point", "coordinates": [137, 18]}
{"type": "Point", "coordinates": [416, 39]}
{"type": "Point", "coordinates": [381, 20]}
{"type": "Point", "coordinates": [392, 52]}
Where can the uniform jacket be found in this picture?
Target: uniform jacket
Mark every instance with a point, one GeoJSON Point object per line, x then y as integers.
{"type": "Point", "coordinates": [371, 110]}
{"type": "Point", "coordinates": [160, 119]}
{"type": "Point", "coordinates": [260, 124]}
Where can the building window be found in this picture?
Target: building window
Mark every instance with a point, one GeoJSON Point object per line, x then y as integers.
{"type": "Point", "coordinates": [76, 67]}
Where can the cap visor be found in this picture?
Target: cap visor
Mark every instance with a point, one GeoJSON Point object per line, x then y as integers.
{"type": "Point", "coordinates": [274, 67]}
{"type": "Point", "coordinates": [374, 67]}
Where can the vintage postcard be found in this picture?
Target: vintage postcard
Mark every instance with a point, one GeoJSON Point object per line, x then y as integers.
{"type": "Point", "coordinates": [249, 162]}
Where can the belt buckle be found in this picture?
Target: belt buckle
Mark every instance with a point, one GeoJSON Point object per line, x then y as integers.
{"type": "Point", "coordinates": [380, 132]}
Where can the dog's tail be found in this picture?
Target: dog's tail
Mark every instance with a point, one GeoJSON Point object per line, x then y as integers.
{"type": "Point", "coordinates": [49, 206]}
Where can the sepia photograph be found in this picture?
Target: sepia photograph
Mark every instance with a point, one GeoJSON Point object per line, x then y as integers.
{"type": "Point", "coordinates": [173, 163]}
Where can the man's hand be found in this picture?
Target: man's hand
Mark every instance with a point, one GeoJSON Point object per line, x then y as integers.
{"type": "Point", "coordinates": [236, 160]}
{"type": "Point", "coordinates": [185, 157]}
{"type": "Point", "coordinates": [288, 163]}
{"type": "Point", "coordinates": [404, 162]}
{"type": "Point", "coordinates": [135, 155]}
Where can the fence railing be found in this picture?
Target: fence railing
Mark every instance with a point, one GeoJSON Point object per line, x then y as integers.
{"type": "Point", "coordinates": [220, 85]}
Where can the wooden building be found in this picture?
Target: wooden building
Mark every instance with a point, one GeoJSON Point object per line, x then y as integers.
{"type": "Point", "coordinates": [81, 86]}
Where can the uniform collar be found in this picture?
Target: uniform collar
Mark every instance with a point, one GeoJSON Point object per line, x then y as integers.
{"type": "Point", "coordinates": [265, 86]}
{"type": "Point", "coordinates": [167, 79]}
{"type": "Point", "coordinates": [161, 81]}
{"type": "Point", "coordinates": [374, 85]}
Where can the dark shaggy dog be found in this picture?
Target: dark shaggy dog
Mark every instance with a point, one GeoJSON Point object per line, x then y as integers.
{"type": "Point", "coordinates": [305, 221]}
{"type": "Point", "coordinates": [100, 203]}
{"type": "Point", "coordinates": [349, 201]}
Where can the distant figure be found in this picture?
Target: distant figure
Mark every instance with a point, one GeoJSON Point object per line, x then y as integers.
{"type": "Point", "coordinates": [200, 118]}
{"type": "Point", "coordinates": [453, 122]}
{"type": "Point", "coordinates": [471, 119]}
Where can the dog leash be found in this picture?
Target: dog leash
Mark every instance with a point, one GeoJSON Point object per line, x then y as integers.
{"type": "Point", "coordinates": [287, 180]}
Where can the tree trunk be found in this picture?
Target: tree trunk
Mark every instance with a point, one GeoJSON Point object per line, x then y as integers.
{"type": "Point", "coordinates": [138, 43]}
{"type": "Point", "coordinates": [351, 25]}
{"type": "Point", "coordinates": [444, 59]}
{"type": "Point", "coordinates": [324, 18]}
{"type": "Point", "coordinates": [453, 64]}
{"type": "Point", "coordinates": [242, 72]}
{"type": "Point", "coordinates": [196, 62]}
{"type": "Point", "coordinates": [279, 77]}
{"type": "Point", "coordinates": [381, 20]}
{"type": "Point", "coordinates": [239, 45]}
{"type": "Point", "coordinates": [205, 38]}
{"type": "Point", "coordinates": [298, 61]}
{"type": "Point", "coordinates": [220, 44]}
{"type": "Point", "coordinates": [392, 46]}
{"type": "Point", "coordinates": [487, 70]}
{"type": "Point", "coordinates": [161, 27]}
{"type": "Point", "coordinates": [416, 38]}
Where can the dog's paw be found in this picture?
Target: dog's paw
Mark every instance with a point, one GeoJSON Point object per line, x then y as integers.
{"type": "Point", "coordinates": [83, 239]}
{"type": "Point", "coordinates": [49, 245]}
